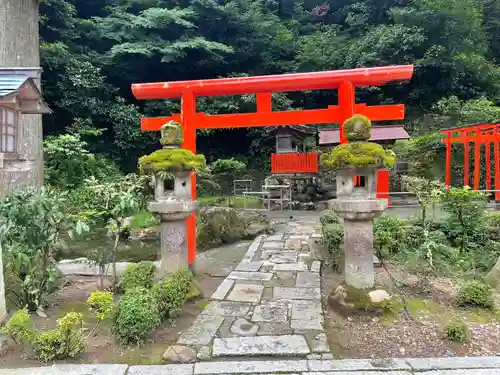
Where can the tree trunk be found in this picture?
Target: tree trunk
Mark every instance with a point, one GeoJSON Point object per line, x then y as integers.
{"type": "Point", "coordinates": [493, 277]}
{"type": "Point", "coordinates": [20, 48]}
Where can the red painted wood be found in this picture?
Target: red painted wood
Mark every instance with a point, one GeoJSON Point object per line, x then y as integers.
{"type": "Point", "coordinates": [274, 83]}
{"type": "Point", "coordinates": [477, 165]}
{"type": "Point", "coordinates": [383, 185]}
{"type": "Point", "coordinates": [243, 120]}
{"type": "Point", "coordinates": [294, 163]}
{"type": "Point", "coordinates": [488, 165]}
{"type": "Point", "coordinates": [448, 160]}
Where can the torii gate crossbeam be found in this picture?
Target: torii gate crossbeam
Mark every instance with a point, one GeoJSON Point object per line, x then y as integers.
{"type": "Point", "coordinates": [263, 86]}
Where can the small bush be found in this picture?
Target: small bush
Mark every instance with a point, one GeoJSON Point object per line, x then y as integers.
{"type": "Point", "coordinates": [171, 292]}
{"type": "Point", "coordinates": [329, 217]}
{"type": "Point", "coordinates": [65, 341]}
{"type": "Point", "coordinates": [457, 330]}
{"type": "Point", "coordinates": [333, 236]}
{"type": "Point", "coordinates": [138, 275]}
{"type": "Point", "coordinates": [476, 293]}
{"type": "Point", "coordinates": [137, 315]}
{"type": "Point", "coordinates": [101, 304]}
{"type": "Point", "coordinates": [217, 226]}
{"type": "Point", "coordinates": [20, 327]}
{"type": "Point", "coordinates": [388, 233]}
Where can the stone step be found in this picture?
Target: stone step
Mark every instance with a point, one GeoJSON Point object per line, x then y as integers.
{"type": "Point", "coordinates": [283, 345]}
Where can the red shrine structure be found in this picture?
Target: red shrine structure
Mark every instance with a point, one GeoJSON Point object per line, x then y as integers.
{"type": "Point", "coordinates": [345, 81]}
{"type": "Point", "coordinates": [477, 135]}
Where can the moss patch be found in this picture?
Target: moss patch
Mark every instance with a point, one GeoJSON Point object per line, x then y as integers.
{"type": "Point", "coordinates": [171, 160]}
{"type": "Point", "coordinates": [357, 128]}
{"type": "Point", "coordinates": [358, 155]}
{"type": "Point", "coordinates": [172, 134]}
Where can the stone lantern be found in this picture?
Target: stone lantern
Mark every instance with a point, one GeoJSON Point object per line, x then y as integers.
{"type": "Point", "coordinates": [356, 164]}
{"type": "Point", "coordinates": [171, 167]}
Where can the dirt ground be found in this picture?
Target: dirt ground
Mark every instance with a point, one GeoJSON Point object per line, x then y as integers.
{"type": "Point", "coordinates": [212, 267]}
{"type": "Point", "coordinates": [430, 306]}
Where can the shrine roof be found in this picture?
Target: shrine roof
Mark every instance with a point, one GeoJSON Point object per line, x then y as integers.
{"type": "Point", "coordinates": [13, 83]}
{"type": "Point", "coordinates": [327, 137]}
{"type": "Point", "coordinates": [304, 129]}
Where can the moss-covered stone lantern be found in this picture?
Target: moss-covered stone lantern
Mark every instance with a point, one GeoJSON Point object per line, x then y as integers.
{"type": "Point", "coordinates": [171, 167]}
{"type": "Point", "coordinates": [356, 164]}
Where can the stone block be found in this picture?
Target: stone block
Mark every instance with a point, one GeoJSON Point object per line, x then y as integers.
{"type": "Point", "coordinates": [246, 293]}
{"type": "Point", "coordinates": [316, 266]}
{"type": "Point", "coordinates": [275, 237]}
{"type": "Point", "coordinates": [159, 370]}
{"type": "Point", "coordinates": [179, 354]}
{"type": "Point", "coordinates": [260, 345]}
{"type": "Point", "coordinates": [358, 365]}
{"type": "Point", "coordinates": [250, 367]}
{"type": "Point", "coordinates": [308, 279]}
{"type": "Point", "coordinates": [296, 293]}
{"type": "Point", "coordinates": [273, 244]}
{"type": "Point", "coordinates": [305, 325]}
{"type": "Point", "coordinates": [290, 267]}
{"type": "Point", "coordinates": [226, 309]}
{"type": "Point", "coordinates": [274, 328]}
{"type": "Point", "coordinates": [452, 363]}
{"type": "Point", "coordinates": [319, 344]}
{"type": "Point", "coordinates": [267, 254]}
{"type": "Point", "coordinates": [248, 266]}
{"type": "Point", "coordinates": [202, 331]}
{"type": "Point", "coordinates": [255, 276]}
{"type": "Point", "coordinates": [307, 310]}
{"type": "Point", "coordinates": [273, 311]}
{"type": "Point", "coordinates": [223, 289]}
{"type": "Point", "coordinates": [282, 258]}
{"type": "Point", "coordinates": [64, 369]}
{"type": "Point", "coordinates": [243, 327]}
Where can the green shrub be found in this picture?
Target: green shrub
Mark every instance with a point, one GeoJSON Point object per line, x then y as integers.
{"type": "Point", "coordinates": [476, 293]}
{"type": "Point", "coordinates": [388, 233]}
{"type": "Point", "coordinates": [138, 275]}
{"type": "Point", "coordinates": [172, 291]}
{"type": "Point", "coordinates": [217, 226]}
{"type": "Point", "coordinates": [65, 341]}
{"type": "Point", "coordinates": [101, 304]}
{"type": "Point", "coordinates": [457, 330]}
{"type": "Point", "coordinates": [137, 315]}
{"type": "Point", "coordinates": [329, 217]}
{"type": "Point", "coordinates": [20, 327]}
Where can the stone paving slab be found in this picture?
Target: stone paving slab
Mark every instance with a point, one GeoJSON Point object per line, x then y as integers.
{"type": "Point", "coordinates": [250, 367]}
{"type": "Point", "coordinates": [161, 370]}
{"type": "Point", "coordinates": [69, 370]}
{"type": "Point", "coordinates": [482, 366]}
{"type": "Point", "coordinates": [357, 365]}
{"type": "Point", "coordinates": [255, 276]}
{"type": "Point", "coordinates": [454, 363]}
{"type": "Point", "coordinates": [260, 345]}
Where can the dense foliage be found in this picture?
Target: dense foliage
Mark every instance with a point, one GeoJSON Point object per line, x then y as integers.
{"type": "Point", "coordinates": [93, 51]}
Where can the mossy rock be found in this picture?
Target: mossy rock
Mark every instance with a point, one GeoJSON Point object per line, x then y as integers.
{"type": "Point", "coordinates": [171, 160]}
{"type": "Point", "coordinates": [358, 155]}
{"type": "Point", "coordinates": [351, 301]}
{"type": "Point", "coordinates": [171, 134]}
{"type": "Point", "coordinates": [357, 128]}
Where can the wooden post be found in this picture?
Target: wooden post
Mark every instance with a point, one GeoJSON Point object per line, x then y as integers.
{"type": "Point", "coordinates": [477, 164]}
{"type": "Point", "coordinates": [496, 155]}
{"type": "Point", "coordinates": [187, 115]}
{"type": "Point", "coordinates": [466, 158]}
{"type": "Point", "coordinates": [488, 166]}
{"type": "Point", "coordinates": [448, 160]}
{"type": "Point", "coordinates": [347, 102]}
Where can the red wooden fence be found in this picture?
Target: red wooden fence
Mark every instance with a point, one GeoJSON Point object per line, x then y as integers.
{"type": "Point", "coordinates": [294, 163]}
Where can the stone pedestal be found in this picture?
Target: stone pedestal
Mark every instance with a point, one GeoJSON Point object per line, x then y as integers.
{"type": "Point", "coordinates": [174, 207]}
{"type": "Point", "coordinates": [358, 206]}
{"type": "Point", "coordinates": [358, 248]}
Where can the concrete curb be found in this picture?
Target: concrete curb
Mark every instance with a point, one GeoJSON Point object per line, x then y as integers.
{"type": "Point", "coordinates": [397, 366]}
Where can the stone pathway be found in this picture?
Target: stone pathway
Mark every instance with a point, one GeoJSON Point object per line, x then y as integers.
{"type": "Point", "coordinates": [389, 366]}
{"type": "Point", "coordinates": [270, 305]}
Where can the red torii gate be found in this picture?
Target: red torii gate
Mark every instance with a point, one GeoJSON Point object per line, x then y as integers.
{"type": "Point", "coordinates": [477, 134]}
{"type": "Point", "coordinates": [263, 86]}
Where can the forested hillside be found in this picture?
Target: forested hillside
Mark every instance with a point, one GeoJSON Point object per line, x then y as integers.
{"type": "Point", "coordinates": [93, 50]}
